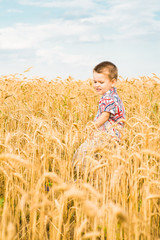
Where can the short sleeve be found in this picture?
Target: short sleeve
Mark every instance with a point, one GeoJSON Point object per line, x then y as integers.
{"type": "Point", "coordinates": [107, 105]}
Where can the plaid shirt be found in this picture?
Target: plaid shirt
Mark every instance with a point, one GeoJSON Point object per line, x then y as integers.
{"type": "Point", "coordinates": [110, 102]}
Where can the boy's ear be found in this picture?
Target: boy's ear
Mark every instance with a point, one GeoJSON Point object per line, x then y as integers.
{"type": "Point", "coordinates": [113, 81]}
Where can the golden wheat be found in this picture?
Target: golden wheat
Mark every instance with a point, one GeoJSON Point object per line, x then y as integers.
{"type": "Point", "coordinates": [116, 197]}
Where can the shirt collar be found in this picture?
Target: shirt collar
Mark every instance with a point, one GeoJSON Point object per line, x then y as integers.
{"type": "Point", "coordinates": [110, 91]}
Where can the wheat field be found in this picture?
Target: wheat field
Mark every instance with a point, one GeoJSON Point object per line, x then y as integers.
{"type": "Point", "coordinates": [42, 123]}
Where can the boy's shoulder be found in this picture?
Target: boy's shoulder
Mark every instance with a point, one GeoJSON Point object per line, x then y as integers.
{"type": "Point", "coordinates": [111, 97]}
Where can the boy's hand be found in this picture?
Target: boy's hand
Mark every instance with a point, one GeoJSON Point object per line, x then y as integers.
{"type": "Point", "coordinates": [94, 126]}
{"type": "Point", "coordinates": [91, 128]}
{"type": "Point", "coordinates": [91, 133]}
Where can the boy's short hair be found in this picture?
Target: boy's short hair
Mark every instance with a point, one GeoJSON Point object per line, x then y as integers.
{"type": "Point", "coordinates": [109, 68]}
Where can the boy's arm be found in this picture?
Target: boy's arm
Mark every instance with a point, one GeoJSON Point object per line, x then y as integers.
{"type": "Point", "coordinates": [99, 122]}
{"type": "Point", "coordinates": [102, 119]}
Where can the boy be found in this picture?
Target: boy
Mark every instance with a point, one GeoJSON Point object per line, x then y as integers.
{"type": "Point", "coordinates": [111, 113]}
{"type": "Point", "coordinates": [111, 109]}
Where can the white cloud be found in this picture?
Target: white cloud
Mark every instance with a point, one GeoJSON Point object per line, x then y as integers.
{"type": "Point", "coordinates": [12, 39]}
{"type": "Point", "coordinates": [23, 36]}
{"type": "Point", "coordinates": [14, 10]}
{"type": "Point", "coordinates": [59, 4]}
{"type": "Point", "coordinates": [60, 54]}
{"type": "Point", "coordinates": [139, 8]}
{"type": "Point", "coordinates": [115, 20]}
{"type": "Point", "coordinates": [123, 19]}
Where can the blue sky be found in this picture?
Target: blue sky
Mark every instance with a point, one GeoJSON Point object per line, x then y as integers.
{"type": "Point", "coordinates": [62, 37]}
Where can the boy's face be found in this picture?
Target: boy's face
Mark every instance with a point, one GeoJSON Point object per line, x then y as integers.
{"type": "Point", "coordinates": [102, 82]}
